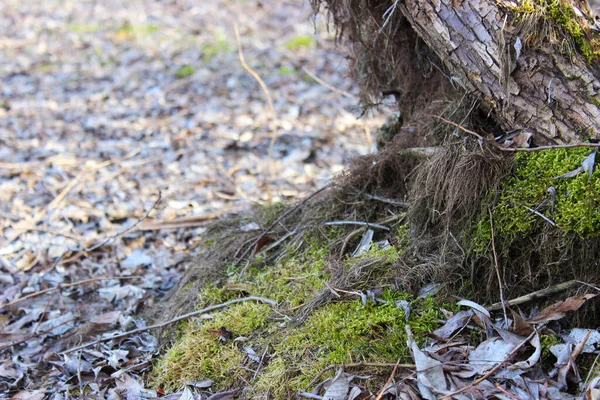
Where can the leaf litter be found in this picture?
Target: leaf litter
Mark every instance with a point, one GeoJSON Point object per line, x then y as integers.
{"type": "Point", "coordinates": [107, 108]}
{"type": "Point", "coordinates": [125, 128]}
{"type": "Point", "coordinates": [505, 365]}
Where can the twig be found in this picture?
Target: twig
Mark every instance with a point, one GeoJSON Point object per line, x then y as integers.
{"type": "Point", "coordinates": [361, 223]}
{"type": "Point", "coordinates": [493, 370]}
{"type": "Point", "coordinates": [358, 365]}
{"type": "Point", "coordinates": [267, 95]}
{"type": "Point", "coordinates": [61, 286]}
{"type": "Point", "coordinates": [390, 379]}
{"type": "Point", "coordinates": [108, 239]}
{"type": "Point", "coordinates": [183, 222]}
{"type": "Point", "coordinates": [515, 149]}
{"type": "Point", "coordinates": [535, 295]}
{"type": "Point", "coordinates": [509, 394]}
{"type": "Point", "coordinates": [224, 395]}
{"type": "Point", "coordinates": [285, 214]}
{"type": "Point", "coordinates": [388, 201]}
{"type": "Point", "coordinates": [539, 214]}
{"type": "Point", "coordinates": [328, 86]}
{"type": "Point", "coordinates": [260, 364]}
{"type": "Point", "coordinates": [462, 128]}
{"type": "Point", "coordinates": [497, 268]}
{"type": "Point", "coordinates": [172, 321]}
{"type": "Point", "coordinates": [330, 286]}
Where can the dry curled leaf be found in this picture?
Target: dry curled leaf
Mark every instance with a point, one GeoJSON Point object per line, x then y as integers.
{"type": "Point", "coordinates": [558, 310]}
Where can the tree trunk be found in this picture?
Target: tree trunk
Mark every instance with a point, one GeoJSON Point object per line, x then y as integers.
{"type": "Point", "coordinates": [526, 68]}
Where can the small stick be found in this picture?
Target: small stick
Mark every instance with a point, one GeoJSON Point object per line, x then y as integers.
{"type": "Point", "coordinates": [267, 95]}
{"type": "Point", "coordinates": [390, 379]}
{"type": "Point", "coordinates": [358, 365]}
{"type": "Point", "coordinates": [361, 223]}
{"type": "Point", "coordinates": [108, 239]}
{"type": "Point", "coordinates": [333, 288]}
{"type": "Point", "coordinates": [512, 396]}
{"type": "Point", "coordinates": [515, 149]}
{"type": "Point", "coordinates": [493, 370]}
{"type": "Point", "coordinates": [328, 86]}
{"type": "Point", "coordinates": [535, 295]}
{"type": "Point", "coordinates": [36, 334]}
{"type": "Point", "coordinates": [285, 214]}
{"type": "Point", "coordinates": [388, 201]}
{"type": "Point", "coordinates": [539, 214]}
{"type": "Point", "coordinates": [462, 128]}
{"type": "Point", "coordinates": [172, 321]}
{"type": "Point", "coordinates": [497, 268]}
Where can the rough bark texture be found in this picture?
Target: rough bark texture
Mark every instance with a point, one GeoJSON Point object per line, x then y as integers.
{"type": "Point", "coordinates": [539, 90]}
{"type": "Point", "coordinates": [426, 50]}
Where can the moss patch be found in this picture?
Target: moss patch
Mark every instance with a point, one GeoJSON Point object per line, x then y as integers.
{"type": "Point", "coordinates": [576, 203]}
{"type": "Point", "coordinates": [348, 329]}
{"type": "Point", "coordinates": [185, 72]}
{"type": "Point", "coordinates": [299, 42]}
{"type": "Point", "coordinates": [341, 333]}
{"type": "Point", "coordinates": [552, 21]}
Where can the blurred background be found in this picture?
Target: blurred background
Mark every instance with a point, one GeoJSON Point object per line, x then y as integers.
{"type": "Point", "coordinates": [106, 103]}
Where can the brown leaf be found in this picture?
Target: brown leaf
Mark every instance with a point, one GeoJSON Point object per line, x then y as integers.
{"type": "Point", "coordinates": [265, 240]}
{"type": "Point", "coordinates": [520, 327]}
{"type": "Point", "coordinates": [558, 310]}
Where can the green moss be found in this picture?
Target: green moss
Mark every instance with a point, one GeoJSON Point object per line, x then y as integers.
{"type": "Point", "coordinates": [199, 354]}
{"type": "Point", "coordinates": [577, 202]}
{"type": "Point", "coordinates": [300, 41]}
{"type": "Point", "coordinates": [288, 71]}
{"type": "Point", "coordinates": [595, 100]}
{"type": "Point", "coordinates": [341, 333]}
{"type": "Point", "coordinates": [185, 72]}
{"type": "Point", "coordinates": [547, 341]}
{"type": "Point", "coordinates": [560, 13]}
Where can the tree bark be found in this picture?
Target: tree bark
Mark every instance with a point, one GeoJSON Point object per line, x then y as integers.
{"type": "Point", "coordinates": [538, 89]}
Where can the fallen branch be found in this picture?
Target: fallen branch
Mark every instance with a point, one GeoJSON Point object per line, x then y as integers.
{"type": "Point", "coordinates": [265, 89]}
{"type": "Point", "coordinates": [535, 295]}
{"type": "Point", "coordinates": [172, 321]}
{"type": "Point", "coordinates": [539, 214]}
{"type": "Point", "coordinates": [328, 86]}
{"type": "Point", "coordinates": [359, 365]}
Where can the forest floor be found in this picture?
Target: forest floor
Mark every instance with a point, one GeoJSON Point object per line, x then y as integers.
{"type": "Point", "coordinates": [126, 127]}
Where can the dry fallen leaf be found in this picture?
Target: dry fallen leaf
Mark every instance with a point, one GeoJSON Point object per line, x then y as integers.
{"type": "Point", "coordinates": [558, 310]}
